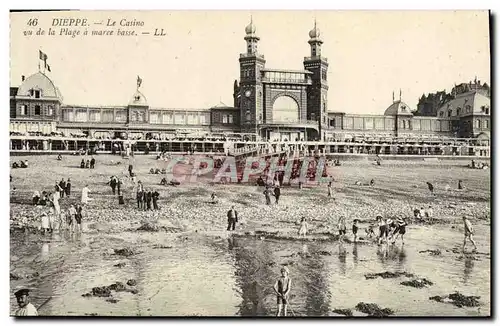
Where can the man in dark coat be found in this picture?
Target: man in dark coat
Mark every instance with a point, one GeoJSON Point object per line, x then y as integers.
{"type": "Point", "coordinates": [139, 198]}
{"type": "Point", "coordinates": [62, 185]}
{"type": "Point", "coordinates": [92, 163]}
{"type": "Point", "coordinates": [431, 187]}
{"type": "Point", "coordinates": [267, 194]}
{"type": "Point", "coordinates": [130, 169]}
{"type": "Point", "coordinates": [68, 188]}
{"type": "Point", "coordinates": [156, 195]}
{"type": "Point", "coordinates": [277, 194]}
{"type": "Point", "coordinates": [113, 183]}
{"type": "Point", "coordinates": [119, 186]}
{"type": "Point", "coordinates": [149, 197]}
{"type": "Point", "coordinates": [232, 219]}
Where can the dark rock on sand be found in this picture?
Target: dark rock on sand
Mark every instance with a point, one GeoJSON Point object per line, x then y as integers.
{"type": "Point", "coordinates": [15, 276]}
{"type": "Point", "coordinates": [101, 291]}
{"type": "Point", "coordinates": [373, 310]}
{"type": "Point", "coordinates": [435, 252]}
{"type": "Point", "coordinates": [345, 312]}
{"type": "Point", "coordinates": [417, 283]}
{"type": "Point", "coordinates": [158, 246]}
{"type": "Point", "coordinates": [132, 282]}
{"type": "Point", "coordinates": [458, 299]}
{"type": "Point", "coordinates": [124, 252]}
{"type": "Point", "coordinates": [118, 287]}
{"type": "Point", "coordinates": [370, 276]}
{"type": "Point", "coordinates": [120, 265]}
{"type": "Point", "coordinates": [112, 300]}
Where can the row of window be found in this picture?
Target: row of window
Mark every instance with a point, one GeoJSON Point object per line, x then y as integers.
{"type": "Point", "coordinates": [80, 115]}
{"type": "Point", "coordinates": [38, 110]}
{"type": "Point", "coordinates": [468, 109]}
{"type": "Point", "coordinates": [227, 118]}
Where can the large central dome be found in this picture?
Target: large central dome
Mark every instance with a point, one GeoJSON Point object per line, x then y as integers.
{"type": "Point", "coordinates": [42, 83]}
{"type": "Point", "coordinates": [398, 108]}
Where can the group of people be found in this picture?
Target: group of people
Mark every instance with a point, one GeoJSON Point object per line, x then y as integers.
{"type": "Point", "coordinates": [89, 164]}
{"type": "Point", "coordinates": [145, 197]}
{"type": "Point", "coordinates": [21, 164]}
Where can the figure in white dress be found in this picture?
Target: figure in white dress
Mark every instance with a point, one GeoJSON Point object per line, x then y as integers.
{"type": "Point", "coordinates": [85, 194]}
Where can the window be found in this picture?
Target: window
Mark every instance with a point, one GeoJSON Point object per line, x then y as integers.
{"type": "Point", "coordinates": [50, 110]}
{"type": "Point", "coordinates": [37, 94]}
{"type": "Point", "coordinates": [180, 119]}
{"type": "Point", "coordinates": [192, 119]}
{"type": "Point", "coordinates": [224, 118]}
{"type": "Point", "coordinates": [107, 116]}
{"type": "Point", "coordinates": [168, 118]}
{"type": "Point", "coordinates": [37, 110]}
{"type": "Point", "coordinates": [323, 74]}
{"type": "Point", "coordinates": [332, 123]}
{"type": "Point", "coordinates": [441, 114]}
{"type": "Point", "coordinates": [449, 113]}
{"type": "Point", "coordinates": [95, 116]}
{"type": "Point", "coordinates": [121, 116]}
{"type": "Point", "coordinates": [154, 117]}
{"type": "Point", "coordinates": [459, 111]}
{"type": "Point", "coordinates": [68, 115]}
{"type": "Point", "coordinates": [485, 124]}
{"type": "Point", "coordinates": [487, 110]}
{"type": "Point", "coordinates": [313, 51]}
{"type": "Point", "coordinates": [23, 110]}
{"type": "Point", "coordinates": [81, 115]}
{"type": "Point", "coordinates": [478, 123]}
{"type": "Point", "coordinates": [203, 119]}
{"type": "Point", "coordinates": [467, 109]}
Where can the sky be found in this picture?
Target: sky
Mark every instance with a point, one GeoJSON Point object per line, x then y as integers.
{"type": "Point", "coordinates": [371, 54]}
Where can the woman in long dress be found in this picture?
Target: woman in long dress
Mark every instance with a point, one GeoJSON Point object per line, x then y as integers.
{"type": "Point", "coordinates": [85, 195]}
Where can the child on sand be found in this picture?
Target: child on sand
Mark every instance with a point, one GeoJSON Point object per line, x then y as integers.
{"type": "Point", "coordinates": [369, 232]}
{"type": "Point", "coordinates": [468, 232]}
{"type": "Point", "coordinates": [383, 232]}
{"type": "Point", "coordinates": [282, 288]}
{"type": "Point", "coordinates": [303, 227]}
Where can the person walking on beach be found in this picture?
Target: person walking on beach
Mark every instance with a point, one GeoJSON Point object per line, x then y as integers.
{"type": "Point", "coordinates": [112, 184]}
{"type": "Point", "coordinates": [232, 219]}
{"type": "Point", "coordinates": [45, 223]}
{"type": "Point", "coordinates": [468, 232]}
{"type": "Point", "coordinates": [460, 185]}
{"type": "Point", "coordinates": [382, 226]}
{"type": "Point", "coordinates": [355, 229]}
{"type": "Point", "coordinates": [303, 227]}
{"type": "Point", "coordinates": [282, 288]}
{"type": "Point", "coordinates": [267, 194]}
{"type": "Point", "coordinates": [431, 187]}
{"type": "Point", "coordinates": [277, 194]}
{"type": "Point", "coordinates": [400, 230]}
{"type": "Point", "coordinates": [62, 188]}
{"type": "Point", "coordinates": [78, 218]}
{"type": "Point", "coordinates": [342, 228]}
{"type": "Point", "coordinates": [330, 189]}
{"type": "Point", "coordinates": [92, 163]}
{"type": "Point", "coordinates": [85, 195]}
{"type": "Point", "coordinates": [68, 188]}
{"type": "Point", "coordinates": [155, 196]}
{"type": "Point", "coordinates": [25, 306]}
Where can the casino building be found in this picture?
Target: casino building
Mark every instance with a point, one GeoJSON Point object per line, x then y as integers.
{"type": "Point", "coordinates": [274, 104]}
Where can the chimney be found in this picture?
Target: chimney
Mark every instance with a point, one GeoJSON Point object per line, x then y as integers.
{"type": "Point", "coordinates": [22, 78]}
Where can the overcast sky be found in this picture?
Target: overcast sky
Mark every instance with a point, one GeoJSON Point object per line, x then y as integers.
{"type": "Point", "coordinates": [371, 54]}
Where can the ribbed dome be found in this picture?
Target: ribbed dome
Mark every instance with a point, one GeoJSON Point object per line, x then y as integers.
{"type": "Point", "coordinates": [250, 29]}
{"type": "Point", "coordinates": [398, 108]}
{"type": "Point", "coordinates": [315, 32]}
{"type": "Point", "coordinates": [138, 99]}
{"type": "Point", "coordinates": [39, 81]}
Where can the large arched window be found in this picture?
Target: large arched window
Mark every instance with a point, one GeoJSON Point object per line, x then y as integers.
{"type": "Point", "coordinates": [285, 109]}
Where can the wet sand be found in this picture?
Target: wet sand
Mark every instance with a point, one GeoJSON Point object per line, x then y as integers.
{"type": "Point", "coordinates": [208, 272]}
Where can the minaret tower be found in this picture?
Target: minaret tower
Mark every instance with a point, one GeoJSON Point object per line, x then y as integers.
{"type": "Point", "coordinates": [317, 105]}
{"type": "Point", "coordinates": [250, 88]}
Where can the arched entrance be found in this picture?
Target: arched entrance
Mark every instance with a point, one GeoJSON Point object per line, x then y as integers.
{"type": "Point", "coordinates": [285, 110]}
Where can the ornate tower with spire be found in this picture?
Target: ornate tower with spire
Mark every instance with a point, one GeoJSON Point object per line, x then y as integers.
{"type": "Point", "coordinates": [317, 105]}
{"type": "Point", "coordinates": [250, 97]}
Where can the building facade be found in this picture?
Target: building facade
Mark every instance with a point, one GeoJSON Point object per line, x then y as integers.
{"type": "Point", "coordinates": [268, 104]}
